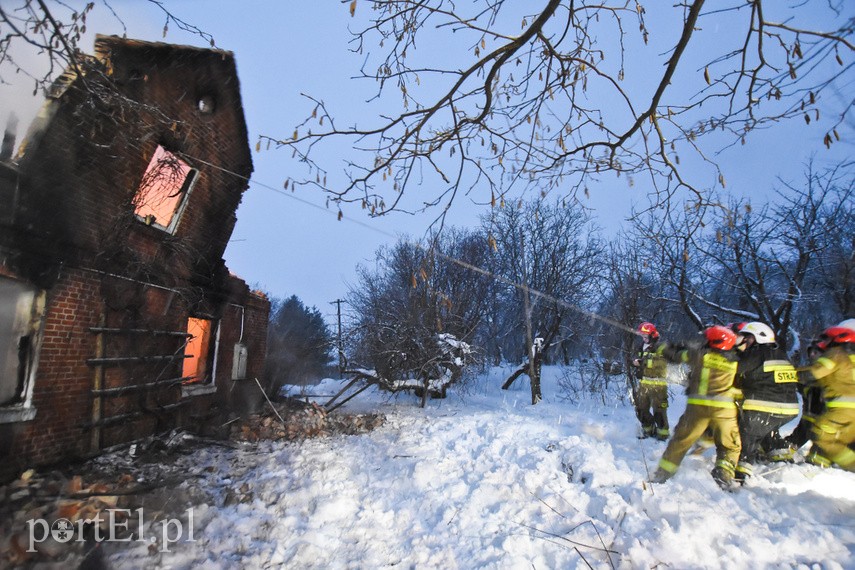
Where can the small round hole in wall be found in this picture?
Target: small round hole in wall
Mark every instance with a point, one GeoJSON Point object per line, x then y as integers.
{"type": "Point", "coordinates": [206, 105]}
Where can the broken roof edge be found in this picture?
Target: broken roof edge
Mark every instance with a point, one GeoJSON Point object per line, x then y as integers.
{"type": "Point", "coordinates": [251, 291]}
{"type": "Point", "coordinates": [103, 46]}
{"type": "Point", "coordinates": [52, 95]}
{"type": "Point", "coordinates": [102, 40]}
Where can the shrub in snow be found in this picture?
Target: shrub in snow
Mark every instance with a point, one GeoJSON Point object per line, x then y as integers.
{"type": "Point", "coordinates": [589, 378]}
{"type": "Point", "coordinates": [437, 370]}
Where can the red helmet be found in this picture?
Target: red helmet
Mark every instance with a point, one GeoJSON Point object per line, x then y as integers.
{"type": "Point", "coordinates": [838, 335]}
{"type": "Point", "coordinates": [648, 329]}
{"type": "Point", "coordinates": [719, 337]}
{"type": "Point", "coordinates": [821, 342]}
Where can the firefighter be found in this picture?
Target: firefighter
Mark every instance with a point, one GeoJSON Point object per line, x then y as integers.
{"type": "Point", "coordinates": [651, 397]}
{"type": "Point", "coordinates": [737, 382]}
{"type": "Point", "coordinates": [710, 404]}
{"type": "Point", "coordinates": [812, 403]}
{"type": "Point", "coordinates": [768, 383]}
{"type": "Point", "coordinates": [834, 371]}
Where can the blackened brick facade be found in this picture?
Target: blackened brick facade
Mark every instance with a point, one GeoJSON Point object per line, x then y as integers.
{"type": "Point", "coordinates": [104, 363]}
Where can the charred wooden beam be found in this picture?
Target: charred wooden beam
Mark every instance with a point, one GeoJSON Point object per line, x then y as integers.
{"type": "Point", "coordinates": [114, 361]}
{"type": "Point", "coordinates": [168, 383]}
{"type": "Point", "coordinates": [105, 330]}
{"type": "Point", "coordinates": [133, 415]}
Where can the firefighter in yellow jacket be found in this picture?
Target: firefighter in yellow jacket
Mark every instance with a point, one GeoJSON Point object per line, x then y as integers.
{"type": "Point", "coordinates": [710, 404]}
{"type": "Point", "coordinates": [834, 371]}
{"type": "Point", "coordinates": [651, 397]}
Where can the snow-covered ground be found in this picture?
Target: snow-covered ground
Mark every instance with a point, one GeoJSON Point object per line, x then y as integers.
{"type": "Point", "coordinates": [483, 479]}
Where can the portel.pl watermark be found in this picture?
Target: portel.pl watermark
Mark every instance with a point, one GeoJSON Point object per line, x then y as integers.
{"type": "Point", "coordinates": [111, 525]}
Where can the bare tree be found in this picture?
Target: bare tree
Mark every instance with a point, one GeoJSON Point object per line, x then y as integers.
{"type": "Point", "coordinates": [416, 309]}
{"type": "Point", "coordinates": [537, 101]}
{"type": "Point", "coordinates": [668, 239]}
{"type": "Point", "coordinates": [828, 292]}
{"type": "Point", "coordinates": [548, 255]}
{"type": "Point", "coordinates": [627, 289]}
{"type": "Point", "coordinates": [754, 261]}
{"type": "Point", "coordinates": [835, 269]}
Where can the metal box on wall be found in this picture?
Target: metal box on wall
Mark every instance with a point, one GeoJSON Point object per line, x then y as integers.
{"type": "Point", "coordinates": [239, 362]}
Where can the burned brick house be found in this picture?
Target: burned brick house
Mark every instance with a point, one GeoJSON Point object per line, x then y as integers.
{"type": "Point", "coordinates": [118, 317]}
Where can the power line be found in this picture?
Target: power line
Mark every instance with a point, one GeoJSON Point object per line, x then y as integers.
{"type": "Point", "coordinates": [459, 262]}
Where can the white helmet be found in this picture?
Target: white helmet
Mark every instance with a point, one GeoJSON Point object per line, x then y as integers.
{"type": "Point", "coordinates": [848, 324]}
{"type": "Point", "coordinates": [762, 333]}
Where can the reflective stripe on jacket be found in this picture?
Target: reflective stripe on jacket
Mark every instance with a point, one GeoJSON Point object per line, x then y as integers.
{"type": "Point", "coordinates": [771, 407]}
{"type": "Point", "coordinates": [766, 375]}
{"type": "Point", "coordinates": [654, 367]}
{"type": "Point", "coordinates": [841, 402]}
{"type": "Point", "coordinates": [711, 376]}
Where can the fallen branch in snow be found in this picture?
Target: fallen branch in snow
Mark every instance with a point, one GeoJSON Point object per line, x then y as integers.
{"type": "Point", "coordinates": [617, 527]}
{"type": "Point", "coordinates": [215, 442]}
{"type": "Point", "coordinates": [646, 470]}
{"type": "Point", "coordinates": [347, 386]}
{"type": "Point", "coordinates": [603, 542]}
{"type": "Point", "coordinates": [371, 378]}
{"type": "Point", "coordinates": [346, 400]}
{"type": "Point", "coordinates": [585, 560]}
{"type": "Point", "coordinates": [519, 372]}
{"type": "Point", "coordinates": [453, 516]}
{"type": "Point", "coordinates": [573, 542]}
{"type": "Point", "coordinates": [605, 549]}
{"type": "Point", "coordinates": [770, 470]}
{"type": "Point", "coordinates": [548, 506]}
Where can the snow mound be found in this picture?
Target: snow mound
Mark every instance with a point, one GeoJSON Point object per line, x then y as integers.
{"type": "Point", "coordinates": [483, 479]}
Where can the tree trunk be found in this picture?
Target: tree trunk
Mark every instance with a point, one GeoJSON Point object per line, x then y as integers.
{"type": "Point", "coordinates": [536, 365]}
{"type": "Point", "coordinates": [520, 371]}
{"type": "Point", "coordinates": [425, 383]}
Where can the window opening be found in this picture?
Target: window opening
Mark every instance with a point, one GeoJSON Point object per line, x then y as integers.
{"type": "Point", "coordinates": [16, 340]}
{"type": "Point", "coordinates": [163, 191]}
{"type": "Point", "coordinates": [197, 350]}
{"type": "Point", "coordinates": [206, 105]}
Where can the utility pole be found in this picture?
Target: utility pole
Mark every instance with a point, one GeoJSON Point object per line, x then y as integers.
{"type": "Point", "coordinates": [338, 303]}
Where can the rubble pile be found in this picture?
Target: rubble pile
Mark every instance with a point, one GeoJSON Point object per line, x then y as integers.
{"type": "Point", "coordinates": [52, 508]}
{"type": "Point", "coordinates": [294, 420]}
{"type": "Point", "coordinates": [48, 518]}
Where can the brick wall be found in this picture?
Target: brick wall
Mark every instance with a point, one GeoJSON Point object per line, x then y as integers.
{"type": "Point", "coordinates": [247, 314]}
{"type": "Point", "coordinates": [96, 165]}
{"type": "Point", "coordinates": [61, 393]}
{"type": "Point", "coordinates": [76, 236]}
{"type": "Point", "coordinates": [258, 316]}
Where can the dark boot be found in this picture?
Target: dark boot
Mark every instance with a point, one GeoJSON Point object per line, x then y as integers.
{"type": "Point", "coordinates": [724, 473]}
{"type": "Point", "coordinates": [660, 476]}
{"type": "Point", "coordinates": [647, 431]}
{"type": "Point", "coordinates": [743, 471]}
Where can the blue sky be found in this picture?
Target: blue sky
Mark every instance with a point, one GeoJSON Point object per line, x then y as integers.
{"type": "Point", "coordinates": [283, 48]}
